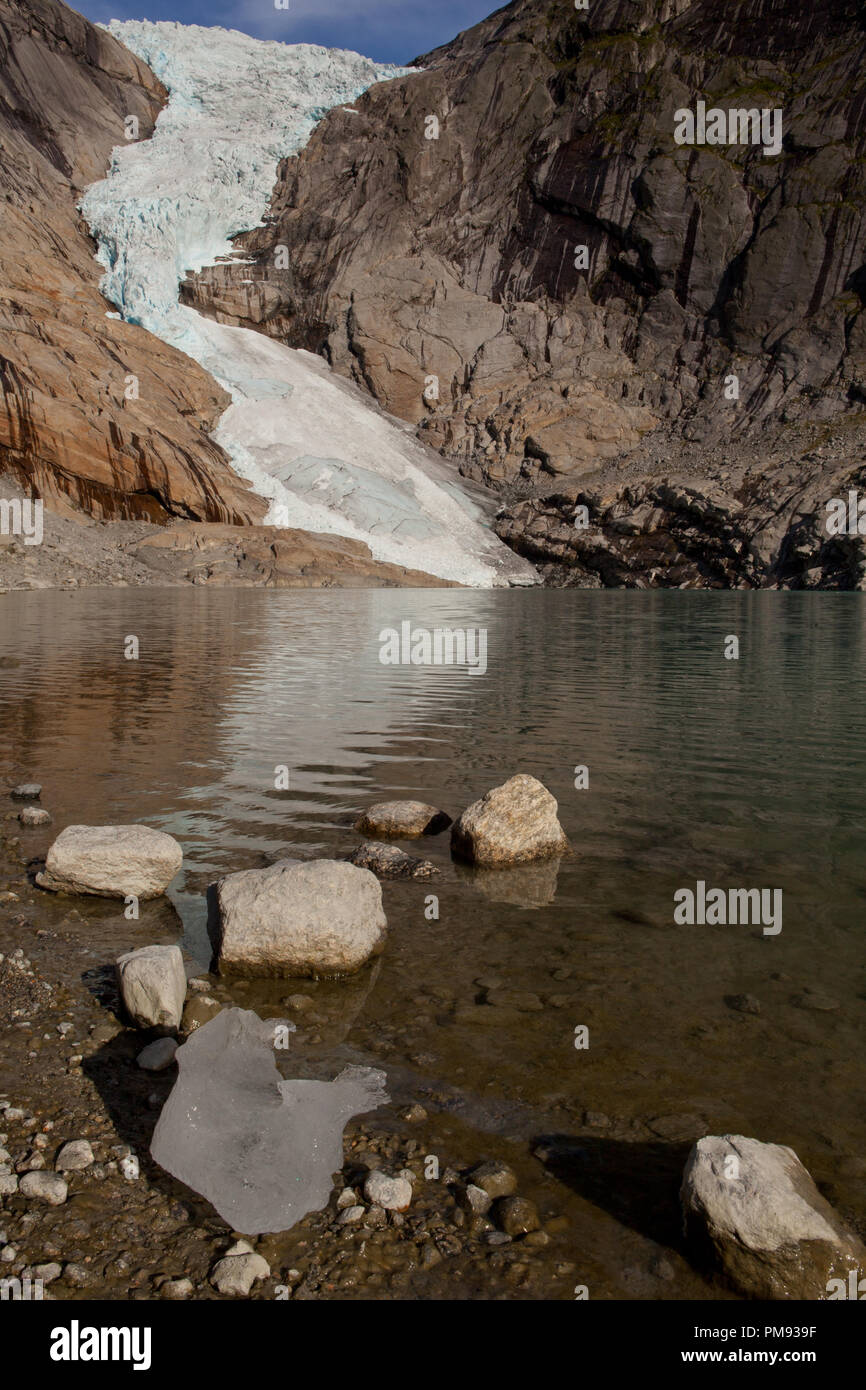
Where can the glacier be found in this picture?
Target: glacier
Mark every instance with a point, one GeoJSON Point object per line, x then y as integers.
{"type": "Point", "coordinates": [325, 457]}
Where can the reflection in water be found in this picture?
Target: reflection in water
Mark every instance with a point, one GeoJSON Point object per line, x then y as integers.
{"type": "Point", "coordinates": [743, 773]}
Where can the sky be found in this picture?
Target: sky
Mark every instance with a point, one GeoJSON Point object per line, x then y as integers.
{"type": "Point", "coordinates": [391, 31]}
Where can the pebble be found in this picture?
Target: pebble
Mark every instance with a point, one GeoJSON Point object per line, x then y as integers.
{"type": "Point", "coordinates": [820, 1003]}
{"type": "Point", "coordinates": [414, 1114]}
{"type": "Point", "coordinates": [8, 1184]}
{"type": "Point", "coordinates": [517, 1216]}
{"type": "Point", "coordinates": [44, 1187]}
{"type": "Point", "coordinates": [347, 1198]}
{"type": "Point", "coordinates": [238, 1270]}
{"type": "Point", "coordinates": [394, 1194]}
{"type": "Point", "coordinates": [350, 1215]}
{"type": "Point", "coordinates": [27, 791]}
{"type": "Point", "coordinates": [478, 1200]}
{"type": "Point", "coordinates": [743, 1003]}
{"type": "Point", "coordinates": [34, 815]}
{"type": "Point", "coordinates": [495, 1178]}
{"type": "Point", "coordinates": [78, 1275]}
{"type": "Point", "coordinates": [48, 1273]}
{"type": "Point", "coordinates": [75, 1155]}
{"type": "Point", "coordinates": [157, 1055]}
{"type": "Point", "coordinates": [177, 1288]}
{"type": "Point", "coordinates": [8, 1254]}
{"type": "Point", "coordinates": [130, 1168]}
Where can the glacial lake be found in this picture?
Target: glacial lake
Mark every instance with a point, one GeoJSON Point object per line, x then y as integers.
{"type": "Point", "coordinates": [743, 773]}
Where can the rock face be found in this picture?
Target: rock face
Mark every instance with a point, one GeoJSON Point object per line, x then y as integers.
{"type": "Point", "coordinates": [759, 1212]}
{"type": "Point", "coordinates": [111, 861]}
{"type": "Point", "coordinates": [530, 269]}
{"type": "Point", "coordinates": [262, 1150]}
{"type": "Point", "coordinates": [68, 430]}
{"type": "Point", "coordinates": [294, 919]}
{"type": "Point", "coordinates": [402, 820]}
{"type": "Point", "coordinates": [153, 985]}
{"type": "Point", "coordinates": [511, 824]}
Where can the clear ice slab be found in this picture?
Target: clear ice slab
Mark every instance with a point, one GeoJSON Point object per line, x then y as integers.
{"type": "Point", "coordinates": [262, 1150]}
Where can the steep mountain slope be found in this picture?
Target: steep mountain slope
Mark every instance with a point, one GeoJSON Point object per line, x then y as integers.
{"type": "Point", "coordinates": [444, 274]}
{"type": "Point", "coordinates": [70, 426]}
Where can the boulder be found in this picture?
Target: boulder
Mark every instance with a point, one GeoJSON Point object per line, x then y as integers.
{"type": "Point", "coordinates": [387, 861]}
{"type": "Point", "coordinates": [754, 1209]}
{"type": "Point", "coordinates": [111, 861]}
{"type": "Point", "coordinates": [295, 919]}
{"type": "Point", "coordinates": [402, 820]}
{"type": "Point", "coordinates": [511, 824]}
{"type": "Point", "coordinates": [153, 985]}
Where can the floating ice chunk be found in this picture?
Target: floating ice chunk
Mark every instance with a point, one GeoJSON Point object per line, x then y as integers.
{"type": "Point", "coordinates": [261, 1149]}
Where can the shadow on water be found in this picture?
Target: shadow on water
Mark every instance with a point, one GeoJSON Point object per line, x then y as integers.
{"type": "Point", "coordinates": [637, 1183]}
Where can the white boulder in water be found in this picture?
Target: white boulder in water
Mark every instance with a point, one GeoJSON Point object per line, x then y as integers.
{"type": "Point", "coordinates": [321, 918]}
{"type": "Point", "coordinates": [756, 1210]}
{"type": "Point", "coordinates": [111, 861]}
{"type": "Point", "coordinates": [261, 1149]}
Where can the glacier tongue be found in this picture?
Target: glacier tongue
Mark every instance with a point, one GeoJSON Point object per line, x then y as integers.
{"type": "Point", "coordinates": [326, 458]}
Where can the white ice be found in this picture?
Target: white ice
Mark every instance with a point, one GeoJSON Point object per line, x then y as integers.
{"type": "Point", "coordinates": [262, 1150]}
{"type": "Point", "coordinates": [326, 458]}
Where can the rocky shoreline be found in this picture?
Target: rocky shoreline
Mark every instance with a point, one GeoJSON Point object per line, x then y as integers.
{"type": "Point", "coordinates": [419, 1208]}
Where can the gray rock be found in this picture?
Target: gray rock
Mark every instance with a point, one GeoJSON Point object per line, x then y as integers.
{"type": "Point", "coordinates": [34, 815]}
{"type": "Point", "coordinates": [111, 861]}
{"type": "Point", "coordinates": [495, 1178]}
{"type": "Point", "coordinates": [238, 1270]}
{"type": "Point", "coordinates": [402, 820]}
{"type": "Point", "coordinates": [27, 791]}
{"type": "Point", "coordinates": [755, 1208]}
{"type": "Point", "coordinates": [393, 1194]}
{"type": "Point", "coordinates": [511, 824]}
{"type": "Point", "coordinates": [177, 1289]}
{"type": "Point", "coordinates": [8, 1184]}
{"type": "Point", "coordinates": [44, 1187]}
{"type": "Point", "coordinates": [387, 861]}
{"type": "Point", "coordinates": [153, 985]}
{"type": "Point", "coordinates": [158, 1055]}
{"type": "Point", "coordinates": [517, 1216]}
{"type": "Point", "coordinates": [73, 1156]}
{"type": "Point", "coordinates": [478, 1200]}
{"type": "Point", "coordinates": [322, 918]}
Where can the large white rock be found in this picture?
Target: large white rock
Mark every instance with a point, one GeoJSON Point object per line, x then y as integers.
{"type": "Point", "coordinates": [111, 861]}
{"type": "Point", "coordinates": [756, 1209]}
{"type": "Point", "coordinates": [153, 985]}
{"type": "Point", "coordinates": [322, 918]}
{"type": "Point", "coordinates": [511, 824]}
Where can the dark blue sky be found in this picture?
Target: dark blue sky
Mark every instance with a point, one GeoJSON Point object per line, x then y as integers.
{"type": "Point", "coordinates": [392, 31]}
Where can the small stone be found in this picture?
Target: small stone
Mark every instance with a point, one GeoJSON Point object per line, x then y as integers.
{"type": "Point", "coordinates": [498, 1238]}
{"type": "Point", "coordinates": [517, 1216]}
{"type": "Point", "coordinates": [44, 1187]}
{"type": "Point", "coordinates": [8, 1254]}
{"type": "Point", "coordinates": [198, 986]}
{"type": "Point", "coordinates": [347, 1198]}
{"type": "Point", "coordinates": [157, 1055]}
{"type": "Point", "coordinates": [48, 1272]}
{"type": "Point", "coordinates": [8, 1184]}
{"type": "Point", "coordinates": [414, 1114]}
{"type": "Point", "coordinates": [27, 791]}
{"type": "Point", "coordinates": [394, 1194]}
{"type": "Point", "coordinates": [34, 815]}
{"type": "Point", "coordinates": [495, 1178]}
{"type": "Point", "coordinates": [77, 1275]}
{"type": "Point", "coordinates": [350, 1215]}
{"type": "Point", "coordinates": [238, 1270]}
{"type": "Point", "coordinates": [478, 1200]}
{"type": "Point", "coordinates": [198, 1011]}
{"type": "Point", "coordinates": [299, 1002]}
{"type": "Point", "coordinates": [743, 1003]}
{"type": "Point", "coordinates": [130, 1168]}
{"type": "Point", "coordinates": [176, 1289]}
{"type": "Point", "coordinates": [75, 1155]}
{"type": "Point", "coordinates": [819, 1003]}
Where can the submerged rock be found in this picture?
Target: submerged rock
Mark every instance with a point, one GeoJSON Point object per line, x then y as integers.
{"type": "Point", "coordinates": [111, 861]}
{"type": "Point", "coordinates": [261, 1149]}
{"type": "Point", "coordinates": [27, 791]}
{"type": "Point", "coordinates": [755, 1208]}
{"type": "Point", "coordinates": [295, 919]}
{"type": "Point", "coordinates": [387, 861]}
{"type": "Point", "coordinates": [511, 824]}
{"type": "Point", "coordinates": [153, 985]}
{"type": "Point", "coordinates": [402, 820]}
